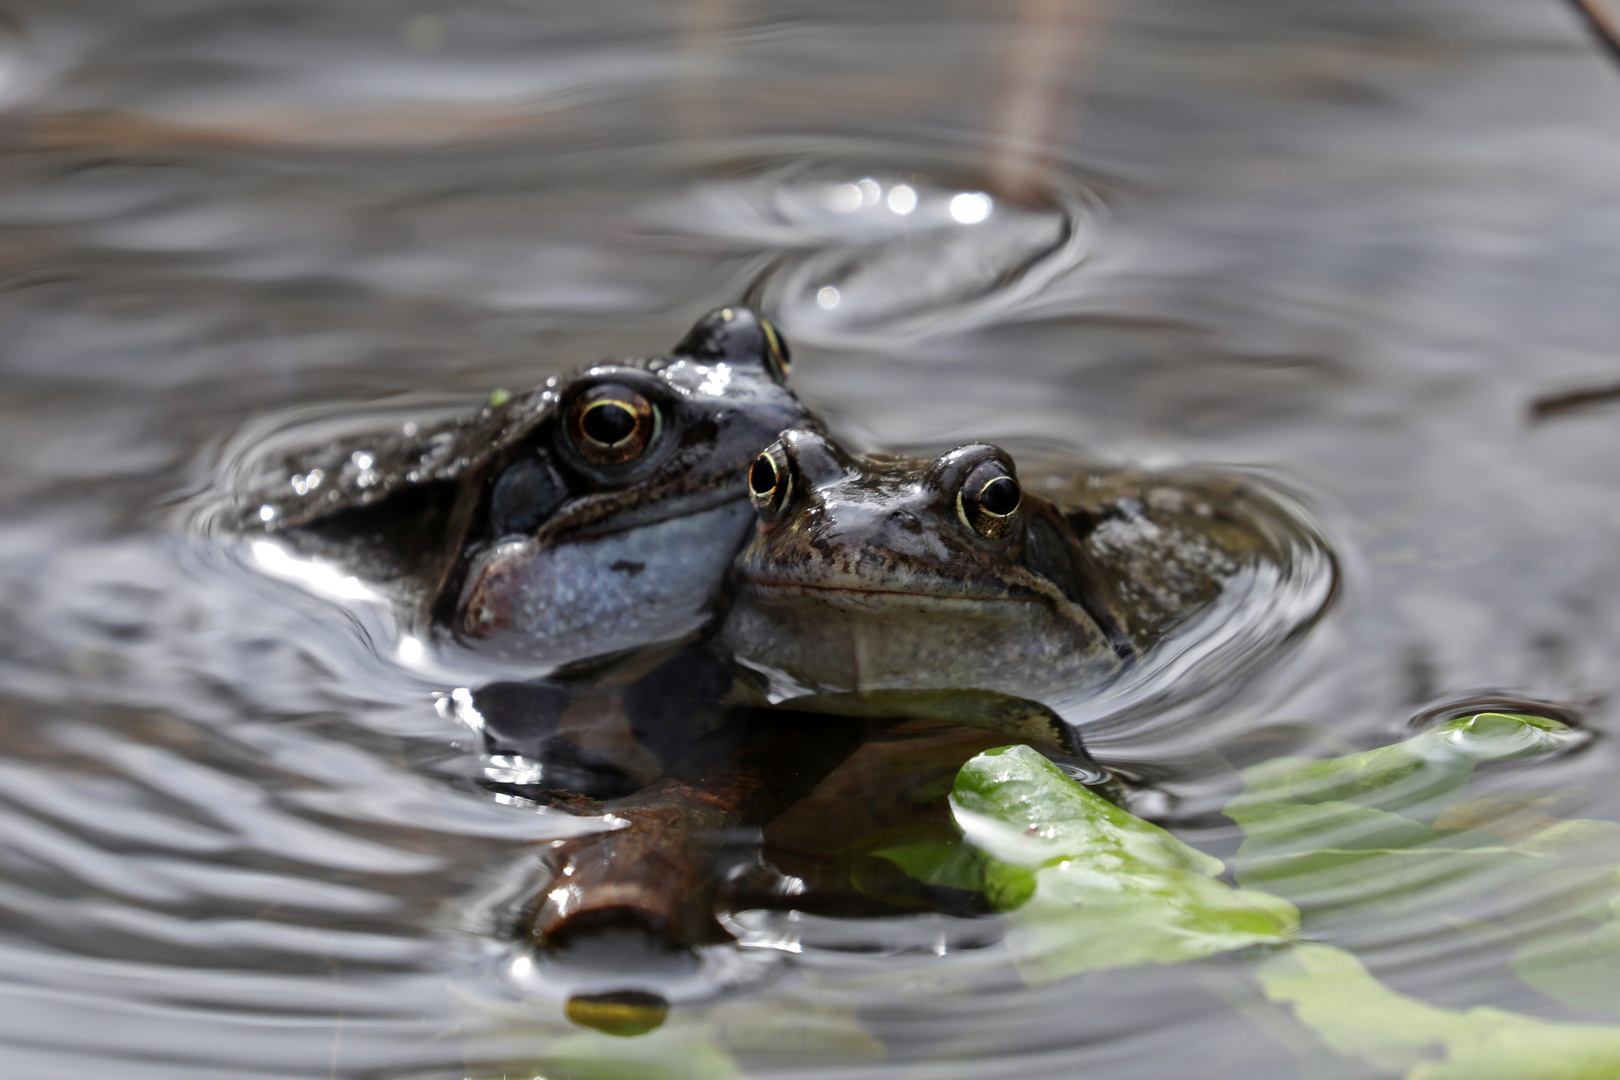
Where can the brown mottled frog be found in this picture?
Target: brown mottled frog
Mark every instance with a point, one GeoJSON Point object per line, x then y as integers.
{"type": "Point", "coordinates": [887, 585]}
{"type": "Point", "coordinates": [595, 514]}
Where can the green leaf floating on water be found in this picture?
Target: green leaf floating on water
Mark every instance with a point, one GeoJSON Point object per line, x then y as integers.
{"type": "Point", "coordinates": [1089, 886]}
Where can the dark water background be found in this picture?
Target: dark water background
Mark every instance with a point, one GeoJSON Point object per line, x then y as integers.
{"type": "Point", "coordinates": [1348, 243]}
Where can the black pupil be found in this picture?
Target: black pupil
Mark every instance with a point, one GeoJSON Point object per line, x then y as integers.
{"type": "Point", "coordinates": [762, 477]}
{"type": "Point", "coordinates": [999, 496]}
{"type": "Point", "coordinates": [608, 423]}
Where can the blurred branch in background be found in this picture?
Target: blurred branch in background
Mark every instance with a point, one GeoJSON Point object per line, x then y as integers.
{"type": "Point", "coordinates": [1043, 69]}
{"type": "Point", "coordinates": [1553, 405]}
{"type": "Point", "coordinates": [704, 55]}
{"type": "Point", "coordinates": [1601, 20]}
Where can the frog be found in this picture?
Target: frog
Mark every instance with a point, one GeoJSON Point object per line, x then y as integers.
{"type": "Point", "coordinates": [593, 515]}
{"type": "Point", "coordinates": [899, 591]}
{"type": "Point", "coordinates": [891, 585]}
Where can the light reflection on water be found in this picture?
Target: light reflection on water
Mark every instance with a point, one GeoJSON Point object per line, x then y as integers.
{"type": "Point", "coordinates": [1347, 246]}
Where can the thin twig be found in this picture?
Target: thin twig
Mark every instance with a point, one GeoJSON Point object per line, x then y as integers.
{"type": "Point", "coordinates": [1544, 408]}
{"type": "Point", "coordinates": [1602, 21]}
{"type": "Point", "coordinates": [705, 49]}
{"type": "Point", "coordinates": [1043, 71]}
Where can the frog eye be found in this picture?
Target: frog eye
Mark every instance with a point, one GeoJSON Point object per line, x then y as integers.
{"type": "Point", "coordinates": [777, 357]}
{"type": "Point", "coordinates": [770, 481]}
{"type": "Point", "coordinates": [611, 424]}
{"type": "Point", "coordinates": [738, 335]}
{"type": "Point", "coordinates": [988, 500]}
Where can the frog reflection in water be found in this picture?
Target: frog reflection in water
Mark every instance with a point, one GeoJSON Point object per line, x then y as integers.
{"type": "Point", "coordinates": [596, 514]}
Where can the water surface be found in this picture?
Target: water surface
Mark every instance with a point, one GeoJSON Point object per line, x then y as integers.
{"type": "Point", "coordinates": [1347, 245]}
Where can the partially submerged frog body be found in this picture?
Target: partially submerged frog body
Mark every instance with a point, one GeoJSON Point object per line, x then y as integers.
{"type": "Point", "coordinates": [883, 588]}
{"type": "Point", "coordinates": [882, 576]}
{"type": "Point", "coordinates": [883, 585]}
{"type": "Point", "coordinates": [593, 514]}
{"type": "Point", "coordinates": [1165, 546]}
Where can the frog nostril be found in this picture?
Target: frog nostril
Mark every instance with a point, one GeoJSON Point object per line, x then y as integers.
{"type": "Point", "coordinates": [906, 520]}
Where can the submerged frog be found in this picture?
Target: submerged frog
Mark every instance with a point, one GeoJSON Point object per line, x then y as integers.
{"type": "Point", "coordinates": [592, 515]}
{"type": "Point", "coordinates": [885, 585]}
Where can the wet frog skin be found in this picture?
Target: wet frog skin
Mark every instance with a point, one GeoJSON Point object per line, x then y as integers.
{"type": "Point", "coordinates": [883, 574]}
{"type": "Point", "coordinates": [592, 515]}
{"type": "Point", "coordinates": [884, 588]}
{"type": "Point", "coordinates": [901, 586]}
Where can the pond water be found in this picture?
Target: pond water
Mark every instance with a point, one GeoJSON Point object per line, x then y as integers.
{"type": "Point", "coordinates": [1346, 245]}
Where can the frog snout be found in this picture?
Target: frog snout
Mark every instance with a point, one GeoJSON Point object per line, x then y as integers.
{"type": "Point", "coordinates": [814, 460]}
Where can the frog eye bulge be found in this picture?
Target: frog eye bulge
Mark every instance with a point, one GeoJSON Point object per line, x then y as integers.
{"type": "Point", "coordinates": [612, 424]}
{"type": "Point", "coordinates": [988, 500]}
{"type": "Point", "coordinates": [777, 358]}
{"type": "Point", "coordinates": [769, 483]}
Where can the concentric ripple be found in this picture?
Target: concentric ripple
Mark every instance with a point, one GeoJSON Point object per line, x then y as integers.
{"type": "Point", "coordinates": [865, 256]}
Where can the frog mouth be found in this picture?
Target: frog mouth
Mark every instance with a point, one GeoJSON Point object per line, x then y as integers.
{"type": "Point", "coordinates": [853, 595]}
{"type": "Point", "coordinates": [610, 513]}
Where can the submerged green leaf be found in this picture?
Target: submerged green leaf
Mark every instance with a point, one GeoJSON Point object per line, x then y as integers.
{"type": "Point", "coordinates": [1385, 833]}
{"type": "Point", "coordinates": [1090, 886]}
{"type": "Point", "coordinates": [1568, 915]}
{"type": "Point", "coordinates": [1358, 1016]}
{"type": "Point", "coordinates": [946, 863]}
{"type": "Point", "coordinates": [688, 1052]}
{"type": "Point", "coordinates": [1415, 776]}
{"type": "Point", "coordinates": [1366, 829]}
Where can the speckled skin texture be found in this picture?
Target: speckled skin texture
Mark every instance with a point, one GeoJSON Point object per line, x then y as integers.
{"type": "Point", "coordinates": [609, 555]}
{"type": "Point", "coordinates": [869, 580]}
{"type": "Point", "coordinates": [866, 591]}
{"type": "Point", "coordinates": [580, 597]}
